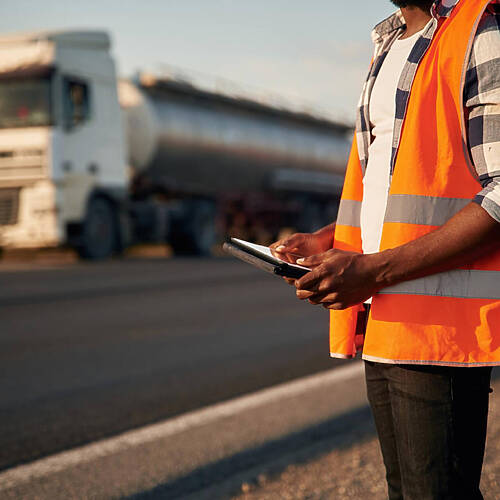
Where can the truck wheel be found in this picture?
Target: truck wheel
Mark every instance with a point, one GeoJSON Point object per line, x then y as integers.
{"type": "Point", "coordinates": [99, 232]}
{"type": "Point", "coordinates": [194, 233]}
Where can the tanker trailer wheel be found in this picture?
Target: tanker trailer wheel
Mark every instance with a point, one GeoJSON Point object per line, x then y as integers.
{"type": "Point", "coordinates": [194, 232]}
{"type": "Point", "coordinates": [99, 231]}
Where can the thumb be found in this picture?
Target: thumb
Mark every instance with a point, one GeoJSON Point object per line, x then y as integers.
{"type": "Point", "coordinates": [311, 261]}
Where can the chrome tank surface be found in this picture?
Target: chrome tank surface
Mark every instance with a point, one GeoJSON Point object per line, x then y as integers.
{"type": "Point", "coordinates": [191, 140]}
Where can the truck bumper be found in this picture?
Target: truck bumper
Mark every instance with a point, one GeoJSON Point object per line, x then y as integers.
{"type": "Point", "coordinates": [28, 216]}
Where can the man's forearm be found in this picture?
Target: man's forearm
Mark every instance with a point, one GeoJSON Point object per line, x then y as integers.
{"type": "Point", "coordinates": [468, 235]}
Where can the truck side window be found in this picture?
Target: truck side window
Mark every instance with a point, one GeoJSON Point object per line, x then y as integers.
{"type": "Point", "coordinates": [76, 103]}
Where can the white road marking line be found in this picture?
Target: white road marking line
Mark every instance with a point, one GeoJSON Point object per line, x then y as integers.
{"type": "Point", "coordinates": [87, 453]}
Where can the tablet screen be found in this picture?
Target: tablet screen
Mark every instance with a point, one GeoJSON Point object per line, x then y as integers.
{"type": "Point", "coordinates": [265, 252]}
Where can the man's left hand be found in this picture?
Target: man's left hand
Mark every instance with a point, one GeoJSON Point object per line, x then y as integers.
{"type": "Point", "coordinates": [338, 279]}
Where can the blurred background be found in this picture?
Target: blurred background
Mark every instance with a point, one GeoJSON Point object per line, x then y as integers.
{"type": "Point", "coordinates": [175, 124]}
{"type": "Point", "coordinates": [134, 138]}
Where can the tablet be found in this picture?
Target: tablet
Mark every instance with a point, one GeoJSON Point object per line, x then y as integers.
{"type": "Point", "coordinates": [262, 257]}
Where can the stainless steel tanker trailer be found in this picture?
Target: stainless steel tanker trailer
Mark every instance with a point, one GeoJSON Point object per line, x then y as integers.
{"type": "Point", "coordinates": [99, 164]}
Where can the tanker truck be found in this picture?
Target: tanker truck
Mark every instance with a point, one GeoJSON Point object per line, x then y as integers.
{"type": "Point", "coordinates": [98, 163]}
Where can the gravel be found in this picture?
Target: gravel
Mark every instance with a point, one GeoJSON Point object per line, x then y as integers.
{"type": "Point", "coordinates": [357, 472]}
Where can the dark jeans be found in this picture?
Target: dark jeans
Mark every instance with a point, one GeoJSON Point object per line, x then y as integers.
{"type": "Point", "coordinates": [431, 423]}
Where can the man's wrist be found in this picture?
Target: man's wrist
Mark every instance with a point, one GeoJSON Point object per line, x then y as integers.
{"type": "Point", "coordinates": [380, 267]}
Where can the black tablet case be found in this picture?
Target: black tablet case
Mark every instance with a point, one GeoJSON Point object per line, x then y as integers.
{"type": "Point", "coordinates": [263, 262]}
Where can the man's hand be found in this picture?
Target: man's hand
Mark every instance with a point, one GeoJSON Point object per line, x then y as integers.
{"type": "Point", "coordinates": [303, 245]}
{"type": "Point", "coordinates": [298, 245]}
{"type": "Point", "coordinates": [338, 279]}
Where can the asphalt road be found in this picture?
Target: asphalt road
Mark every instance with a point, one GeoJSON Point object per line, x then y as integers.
{"type": "Point", "coordinates": [90, 350]}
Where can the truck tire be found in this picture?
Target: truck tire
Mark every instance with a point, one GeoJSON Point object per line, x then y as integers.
{"type": "Point", "coordinates": [99, 231]}
{"type": "Point", "coordinates": [194, 232]}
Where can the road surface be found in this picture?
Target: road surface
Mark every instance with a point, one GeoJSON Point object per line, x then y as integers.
{"type": "Point", "coordinates": [91, 350]}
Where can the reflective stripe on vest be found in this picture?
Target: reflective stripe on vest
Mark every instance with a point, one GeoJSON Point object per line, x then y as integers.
{"type": "Point", "coordinates": [349, 213]}
{"type": "Point", "coordinates": [407, 209]}
{"type": "Point", "coordinates": [460, 283]}
{"type": "Point", "coordinates": [424, 210]}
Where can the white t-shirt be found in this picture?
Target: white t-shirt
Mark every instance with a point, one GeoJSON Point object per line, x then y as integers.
{"type": "Point", "coordinates": [382, 113]}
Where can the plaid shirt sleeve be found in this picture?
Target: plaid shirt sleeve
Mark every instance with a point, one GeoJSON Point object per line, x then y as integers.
{"type": "Point", "coordinates": [482, 100]}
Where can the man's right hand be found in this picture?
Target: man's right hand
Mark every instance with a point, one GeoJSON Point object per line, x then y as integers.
{"type": "Point", "coordinates": [299, 245]}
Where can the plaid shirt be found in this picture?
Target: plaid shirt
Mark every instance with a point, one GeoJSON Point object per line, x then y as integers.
{"type": "Point", "coordinates": [481, 94]}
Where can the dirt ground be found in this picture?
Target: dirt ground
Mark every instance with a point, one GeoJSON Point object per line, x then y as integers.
{"type": "Point", "coordinates": [357, 472]}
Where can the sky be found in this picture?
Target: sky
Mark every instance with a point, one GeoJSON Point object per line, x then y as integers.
{"type": "Point", "coordinates": [310, 53]}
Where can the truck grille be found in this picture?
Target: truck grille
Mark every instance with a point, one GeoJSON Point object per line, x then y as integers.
{"type": "Point", "coordinates": [22, 164]}
{"type": "Point", "coordinates": [9, 206]}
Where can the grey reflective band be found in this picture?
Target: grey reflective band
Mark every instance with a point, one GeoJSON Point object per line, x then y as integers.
{"type": "Point", "coordinates": [459, 283]}
{"type": "Point", "coordinates": [349, 213]}
{"type": "Point", "coordinates": [424, 210]}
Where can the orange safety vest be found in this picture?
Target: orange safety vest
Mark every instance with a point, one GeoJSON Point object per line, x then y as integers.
{"type": "Point", "coordinates": [449, 318]}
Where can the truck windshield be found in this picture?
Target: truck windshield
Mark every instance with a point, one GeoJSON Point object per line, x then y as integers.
{"type": "Point", "coordinates": [25, 103]}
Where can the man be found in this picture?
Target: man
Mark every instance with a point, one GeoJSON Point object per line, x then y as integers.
{"type": "Point", "coordinates": [417, 244]}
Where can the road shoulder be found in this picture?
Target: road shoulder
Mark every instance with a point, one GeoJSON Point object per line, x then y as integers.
{"type": "Point", "coordinates": [354, 472]}
{"type": "Point", "coordinates": [201, 449]}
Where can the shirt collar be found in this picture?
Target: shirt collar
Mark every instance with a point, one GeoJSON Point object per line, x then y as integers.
{"type": "Point", "coordinates": [440, 8]}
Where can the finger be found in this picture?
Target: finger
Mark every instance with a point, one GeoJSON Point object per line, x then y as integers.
{"type": "Point", "coordinates": [290, 244]}
{"type": "Point", "coordinates": [317, 291]}
{"type": "Point", "coordinates": [290, 257]}
{"type": "Point", "coordinates": [309, 280]}
{"type": "Point", "coordinates": [327, 305]}
{"type": "Point", "coordinates": [311, 261]}
{"type": "Point", "coordinates": [278, 244]}
{"type": "Point", "coordinates": [335, 306]}
{"type": "Point", "coordinates": [276, 253]}
{"type": "Point", "coordinates": [316, 259]}
{"type": "Point", "coordinates": [304, 294]}
{"type": "Point", "coordinates": [285, 245]}
{"type": "Point", "coordinates": [320, 297]}
{"type": "Point", "coordinates": [283, 252]}
{"type": "Point", "coordinates": [313, 302]}
{"type": "Point", "coordinates": [292, 249]}
{"type": "Point", "coordinates": [290, 281]}
{"type": "Point", "coordinates": [278, 247]}
{"type": "Point", "coordinates": [329, 297]}
{"type": "Point", "coordinates": [274, 247]}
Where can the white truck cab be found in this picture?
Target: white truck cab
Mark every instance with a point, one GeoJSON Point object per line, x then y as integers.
{"type": "Point", "coordinates": [62, 151]}
{"type": "Point", "coordinates": [97, 165]}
